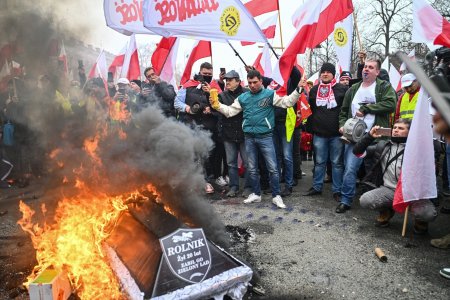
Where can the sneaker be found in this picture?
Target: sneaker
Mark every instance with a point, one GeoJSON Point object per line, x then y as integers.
{"type": "Point", "coordinates": [442, 243]}
{"type": "Point", "coordinates": [420, 227]}
{"type": "Point", "coordinates": [445, 272]}
{"type": "Point", "coordinates": [221, 181]}
{"type": "Point", "coordinates": [232, 193]}
{"type": "Point", "coordinates": [209, 188]}
{"type": "Point", "coordinates": [278, 201]}
{"type": "Point", "coordinates": [246, 192]}
{"type": "Point", "coordinates": [384, 217]}
{"type": "Point", "coordinates": [252, 198]}
{"type": "Point", "coordinates": [286, 192]}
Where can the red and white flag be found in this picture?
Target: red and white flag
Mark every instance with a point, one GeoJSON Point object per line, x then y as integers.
{"type": "Point", "coordinates": [130, 67]}
{"type": "Point", "coordinates": [161, 53]}
{"type": "Point", "coordinates": [263, 63]}
{"type": "Point", "coordinates": [394, 78]}
{"type": "Point", "coordinates": [342, 39]}
{"type": "Point", "coordinates": [202, 20]}
{"type": "Point", "coordinates": [412, 56]}
{"type": "Point", "coordinates": [63, 58]}
{"type": "Point", "coordinates": [385, 64]}
{"type": "Point", "coordinates": [428, 25]}
{"type": "Point", "coordinates": [201, 50]}
{"type": "Point", "coordinates": [117, 63]}
{"type": "Point", "coordinates": [169, 67]}
{"type": "Point", "coordinates": [265, 13]}
{"type": "Point", "coordinates": [418, 177]}
{"type": "Point", "coordinates": [99, 69]}
{"type": "Point", "coordinates": [314, 22]}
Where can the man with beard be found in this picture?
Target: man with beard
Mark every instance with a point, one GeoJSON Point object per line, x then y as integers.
{"type": "Point", "coordinates": [157, 92]}
{"type": "Point", "coordinates": [372, 100]}
{"type": "Point", "coordinates": [406, 105]}
{"type": "Point", "coordinates": [385, 174]}
{"type": "Point", "coordinates": [233, 135]}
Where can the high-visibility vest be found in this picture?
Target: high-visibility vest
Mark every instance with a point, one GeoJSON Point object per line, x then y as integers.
{"type": "Point", "coordinates": [407, 107]}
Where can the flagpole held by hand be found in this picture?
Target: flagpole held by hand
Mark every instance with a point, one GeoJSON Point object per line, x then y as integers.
{"type": "Point", "coordinates": [405, 221]}
{"type": "Point", "coordinates": [357, 32]}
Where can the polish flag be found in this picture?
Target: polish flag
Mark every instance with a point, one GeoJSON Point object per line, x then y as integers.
{"type": "Point", "coordinates": [394, 78]}
{"type": "Point", "coordinates": [314, 22]}
{"type": "Point", "coordinates": [428, 25]}
{"type": "Point", "coordinates": [169, 66]}
{"type": "Point", "coordinates": [63, 58]}
{"type": "Point", "coordinates": [117, 62]}
{"type": "Point", "coordinates": [161, 53]}
{"type": "Point", "coordinates": [130, 67]}
{"type": "Point", "coordinates": [260, 7]}
{"type": "Point", "coordinates": [263, 63]}
{"type": "Point", "coordinates": [268, 27]}
{"type": "Point", "coordinates": [99, 69]}
{"type": "Point", "coordinates": [201, 50]}
{"type": "Point", "coordinates": [418, 177]}
{"type": "Point", "coordinates": [412, 56]}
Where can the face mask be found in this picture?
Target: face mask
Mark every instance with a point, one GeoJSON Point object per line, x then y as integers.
{"type": "Point", "coordinates": [399, 139]}
{"type": "Point", "coordinates": [207, 78]}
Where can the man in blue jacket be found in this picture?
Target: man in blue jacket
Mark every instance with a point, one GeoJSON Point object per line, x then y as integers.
{"type": "Point", "coordinates": [259, 120]}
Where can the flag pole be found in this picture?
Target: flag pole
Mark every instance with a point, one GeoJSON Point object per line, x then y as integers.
{"type": "Point", "coordinates": [405, 221]}
{"type": "Point", "coordinates": [279, 22]}
{"type": "Point", "coordinates": [357, 31]}
{"type": "Point", "coordinates": [236, 53]}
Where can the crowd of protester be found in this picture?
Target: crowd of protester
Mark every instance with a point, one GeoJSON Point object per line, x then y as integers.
{"type": "Point", "coordinates": [257, 134]}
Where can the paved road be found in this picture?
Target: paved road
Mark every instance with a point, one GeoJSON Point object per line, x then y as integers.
{"type": "Point", "coordinates": [304, 252]}
{"type": "Point", "coordinates": [309, 252]}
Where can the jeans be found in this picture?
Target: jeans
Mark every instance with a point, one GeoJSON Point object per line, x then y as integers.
{"type": "Point", "coordinates": [265, 145]}
{"type": "Point", "coordinates": [232, 149]}
{"type": "Point", "coordinates": [296, 138]}
{"type": "Point", "coordinates": [352, 164]}
{"type": "Point", "coordinates": [325, 148]}
{"type": "Point", "coordinates": [284, 150]}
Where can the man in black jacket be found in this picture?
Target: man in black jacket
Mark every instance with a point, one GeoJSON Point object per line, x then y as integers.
{"type": "Point", "coordinates": [325, 100]}
{"type": "Point", "coordinates": [233, 135]}
{"type": "Point", "coordinates": [388, 156]}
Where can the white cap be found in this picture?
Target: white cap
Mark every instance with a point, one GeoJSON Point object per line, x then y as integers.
{"type": "Point", "coordinates": [407, 79]}
{"type": "Point", "coordinates": [123, 81]}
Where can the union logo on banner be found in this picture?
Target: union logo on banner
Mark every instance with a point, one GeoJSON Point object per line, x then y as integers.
{"type": "Point", "coordinates": [187, 254]}
{"type": "Point", "coordinates": [340, 36]}
{"type": "Point", "coordinates": [230, 21]}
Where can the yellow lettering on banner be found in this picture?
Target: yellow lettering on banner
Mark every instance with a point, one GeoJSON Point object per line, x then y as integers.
{"type": "Point", "coordinates": [340, 36]}
{"type": "Point", "coordinates": [230, 21]}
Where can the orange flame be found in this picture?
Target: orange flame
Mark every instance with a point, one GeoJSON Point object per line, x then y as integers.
{"type": "Point", "coordinates": [74, 242]}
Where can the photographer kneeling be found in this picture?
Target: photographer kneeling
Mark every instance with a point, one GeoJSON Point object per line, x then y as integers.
{"type": "Point", "coordinates": [384, 176]}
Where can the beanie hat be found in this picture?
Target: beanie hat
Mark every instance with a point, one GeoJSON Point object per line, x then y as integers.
{"type": "Point", "coordinates": [138, 82]}
{"type": "Point", "coordinates": [346, 74]}
{"type": "Point", "coordinates": [328, 67]}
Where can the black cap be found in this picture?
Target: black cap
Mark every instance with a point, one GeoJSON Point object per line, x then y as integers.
{"type": "Point", "coordinates": [138, 82]}
{"type": "Point", "coordinates": [232, 74]}
{"type": "Point", "coordinates": [346, 74]}
{"type": "Point", "coordinates": [328, 67]}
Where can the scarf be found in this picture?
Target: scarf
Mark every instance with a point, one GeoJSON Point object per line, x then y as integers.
{"type": "Point", "coordinates": [325, 95]}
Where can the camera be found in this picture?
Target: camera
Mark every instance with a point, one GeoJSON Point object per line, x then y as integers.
{"type": "Point", "coordinates": [199, 78]}
{"type": "Point", "coordinates": [197, 108]}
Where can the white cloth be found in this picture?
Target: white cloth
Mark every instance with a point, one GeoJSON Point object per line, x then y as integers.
{"type": "Point", "coordinates": [365, 95]}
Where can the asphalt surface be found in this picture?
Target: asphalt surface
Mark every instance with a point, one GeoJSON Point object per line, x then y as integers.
{"type": "Point", "coordinates": [306, 251]}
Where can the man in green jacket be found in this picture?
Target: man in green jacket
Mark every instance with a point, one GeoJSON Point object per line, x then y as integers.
{"type": "Point", "coordinates": [257, 106]}
{"type": "Point", "coordinates": [372, 100]}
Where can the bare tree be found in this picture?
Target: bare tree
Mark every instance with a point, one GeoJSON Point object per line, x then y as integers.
{"type": "Point", "coordinates": [443, 7]}
{"type": "Point", "coordinates": [387, 25]}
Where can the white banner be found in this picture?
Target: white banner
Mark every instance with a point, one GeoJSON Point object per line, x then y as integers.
{"type": "Point", "coordinates": [342, 40]}
{"type": "Point", "coordinates": [206, 20]}
{"type": "Point", "coordinates": [125, 16]}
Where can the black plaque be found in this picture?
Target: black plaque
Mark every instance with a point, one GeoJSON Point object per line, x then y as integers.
{"type": "Point", "coordinates": [187, 254]}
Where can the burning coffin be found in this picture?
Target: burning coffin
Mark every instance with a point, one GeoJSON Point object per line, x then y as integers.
{"type": "Point", "coordinates": [156, 256]}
